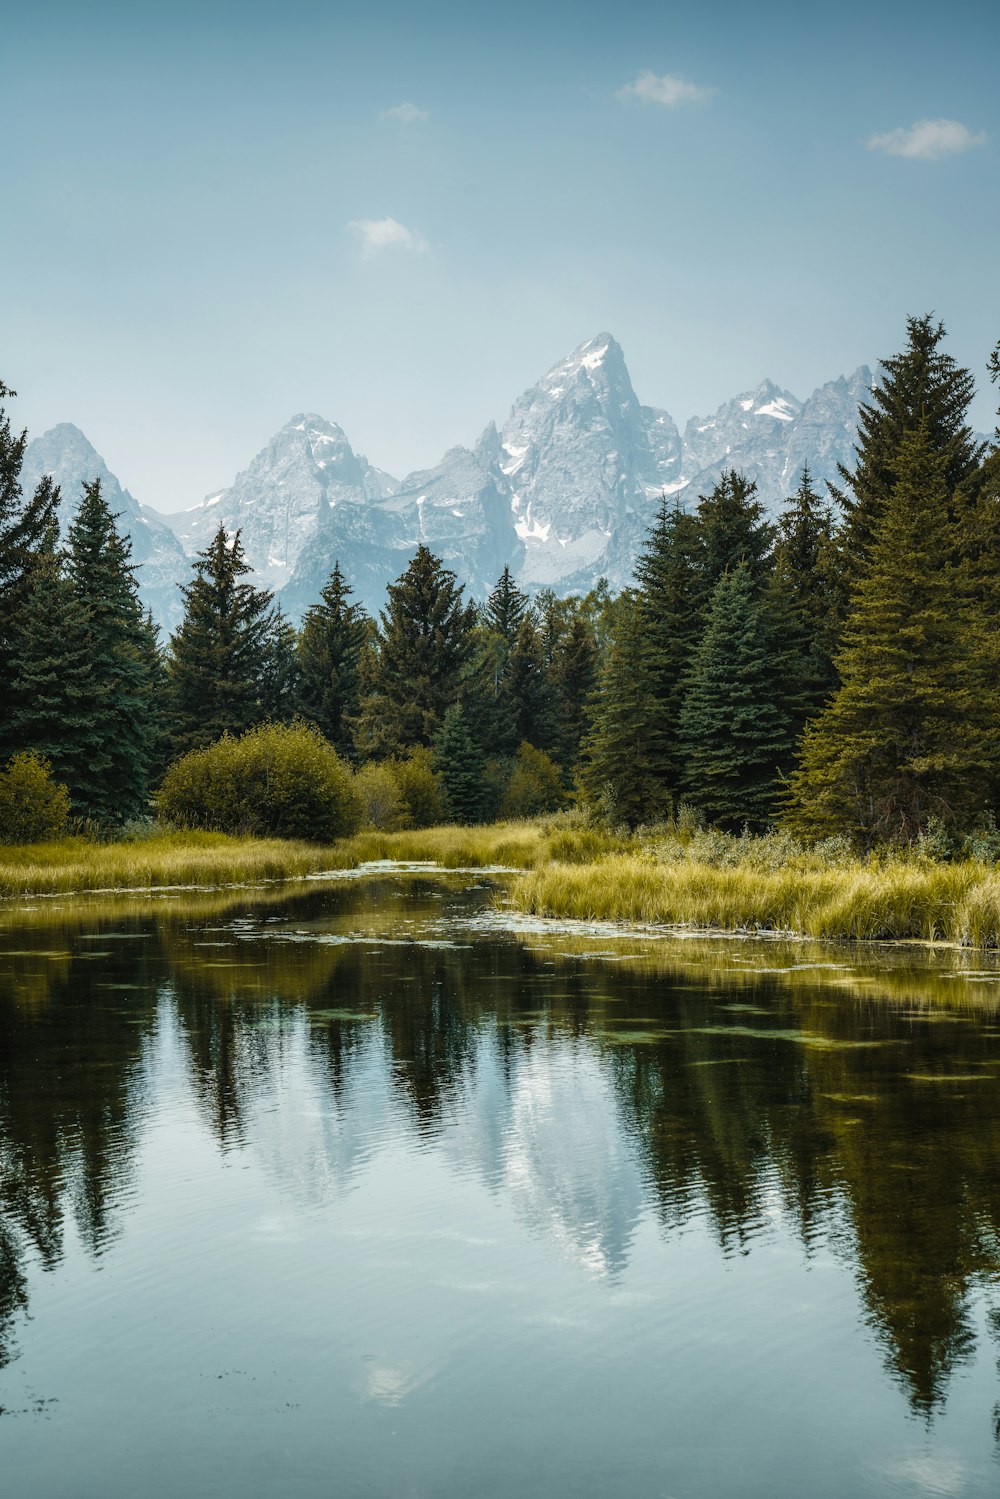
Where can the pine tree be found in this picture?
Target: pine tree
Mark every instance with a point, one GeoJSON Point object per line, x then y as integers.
{"type": "Point", "coordinates": [921, 384]}
{"type": "Point", "coordinates": [115, 786]}
{"type": "Point", "coordinates": [333, 637]}
{"type": "Point", "coordinates": [51, 698]}
{"type": "Point", "coordinates": [619, 773]}
{"type": "Point", "coordinates": [460, 763]}
{"type": "Point", "coordinates": [733, 530]}
{"type": "Point", "coordinates": [506, 607]}
{"type": "Point", "coordinates": [218, 656]}
{"type": "Point", "coordinates": [25, 524]}
{"type": "Point", "coordinates": [425, 650]}
{"type": "Point", "coordinates": [525, 703]}
{"type": "Point", "coordinates": [671, 589]}
{"type": "Point", "coordinates": [804, 602]}
{"type": "Point", "coordinates": [573, 679]}
{"type": "Point", "coordinates": [905, 737]}
{"type": "Point", "coordinates": [733, 731]}
{"type": "Point", "coordinates": [279, 682]}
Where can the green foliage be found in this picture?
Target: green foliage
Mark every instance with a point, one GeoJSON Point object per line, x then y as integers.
{"type": "Point", "coordinates": [732, 530]}
{"type": "Point", "coordinates": [425, 648]}
{"type": "Point", "coordinates": [506, 607]}
{"type": "Point", "coordinates": [419, 786]}
{"type": "Point", "coordinates": [572, 676]}
{"type": "Point", "coordinates": [383, 806]}
{"type": "Point", "coordinates": [733, 733]}
{"type": "Point", "coordinates": [33, 806]}
{"type": "Point", "coordinates": [905, 738]}
{"type": "Point", "coordinates": [805, 604]}
{"type": "Point", "coordinates": [219, 656]}
{"type": "Point", "coordinates": [275, 780]}
{"type": "Point", "coordinates": [526, 709]}
{"type": "Point", "coordinates": [535, 785]}
{"type": "Point", "coordinates": [620, 772]}
{"type": "Point", "coordinates": [459, 762]}
{"type": "Point", "coordinates": [330, 646]}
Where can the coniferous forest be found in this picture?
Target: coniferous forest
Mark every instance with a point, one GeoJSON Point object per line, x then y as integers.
{"type": "Point", "coordinates": [834, 672]}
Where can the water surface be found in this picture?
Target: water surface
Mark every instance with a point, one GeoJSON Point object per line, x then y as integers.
{"type": "Point", "coordinates": [362, 1189]}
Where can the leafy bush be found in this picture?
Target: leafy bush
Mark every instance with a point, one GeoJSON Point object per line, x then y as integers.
{"type": "Point", "coordinates": [33, 806]}
{"type": "Point", "coordinates": [535, 784]}
{"type": "Point", "coordinates": [278, 780]}
{"type": "Point", "coordinates": [420, 788]}
{"type": "Point", "coordinates": [382, 805]}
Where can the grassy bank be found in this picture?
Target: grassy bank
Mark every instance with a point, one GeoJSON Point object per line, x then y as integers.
{"type": "Point", "coordinates": [214, 859]}
{"type": "Point", "coordinates": [886, 899]}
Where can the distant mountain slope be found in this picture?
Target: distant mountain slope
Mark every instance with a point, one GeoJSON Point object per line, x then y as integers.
{"type": "Point", "coordinates": [563, 492]}
{"type": "Point", "coordinates": [66, 454]}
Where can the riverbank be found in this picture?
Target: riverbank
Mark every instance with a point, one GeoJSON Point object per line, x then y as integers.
{"type": "Point", "coordinates": [564, 869]}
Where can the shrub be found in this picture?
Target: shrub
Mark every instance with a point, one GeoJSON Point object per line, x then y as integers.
{"type": "Point", "coordinates": [420, 788]}
{"type": "Point", "coordinates": [33, 806]}
{"type": "Point", "coordinates": [278, 780]}
{"type": "Point", "coordinates": [382, 805]}
{"type": "Point", "coordinates": [535, 784]}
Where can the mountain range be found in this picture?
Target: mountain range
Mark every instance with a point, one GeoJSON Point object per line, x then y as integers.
{"type": "Point", "coordinates": [563, 492]}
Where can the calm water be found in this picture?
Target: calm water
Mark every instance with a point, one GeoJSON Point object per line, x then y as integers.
{"type": "Point", "coordinates": [359, 1189]}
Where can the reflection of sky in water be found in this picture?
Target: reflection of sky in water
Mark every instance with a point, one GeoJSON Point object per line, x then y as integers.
{"type": "Point", "coordinates": [453, 1219]}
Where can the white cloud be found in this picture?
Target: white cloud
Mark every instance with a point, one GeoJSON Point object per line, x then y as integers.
{"type": "Point", "coordinates": [667, 90]}
{"type": "Point", "coordinates": [928, 140]}
{"type": "Point", "coordinates": [383, 234]}
{"type": "Point", "coordinates": [406, 113]}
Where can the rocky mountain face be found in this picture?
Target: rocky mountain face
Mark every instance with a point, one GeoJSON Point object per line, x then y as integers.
{"type": "Point", "coordinates": [66, 454]}
{"type": "Point", "coordinates": [563, 492]}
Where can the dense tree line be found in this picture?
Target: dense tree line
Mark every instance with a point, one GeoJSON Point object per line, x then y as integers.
{"type": "Point", "coordinates": [836, 669]}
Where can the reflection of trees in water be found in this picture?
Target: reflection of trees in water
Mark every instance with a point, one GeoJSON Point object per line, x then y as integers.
{"type": "Point", "coordinates": [308, 1049]}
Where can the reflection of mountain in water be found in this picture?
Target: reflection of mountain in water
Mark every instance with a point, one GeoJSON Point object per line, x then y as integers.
{"type": "Point", "coordinates": [581, 1095]}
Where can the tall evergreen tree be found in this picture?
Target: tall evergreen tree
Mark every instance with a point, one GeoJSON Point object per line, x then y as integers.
{"type": "Point", "coordinates": [218, 656]}
{"type": "Point", "coordinates": [573, 679]}
{"type": "Point", "coordinates": [920, 385]}
{"type": "Point", "coordinates": [50, 704]}
{"type": "Point", "coordinates": [115, 786]}
{"type": "Point", "coordinates": [670, 576]}
{"type": "Point", "coordinates": [460, 763]}
{"type": "Point", "coordinates": [733, 530]}
{"type": "Point", "coordinates": [733, 731]}
{"type": "Point", "coordinates": [906, 737]}
{"type": "Point", "coordinates": [279, 683]}
{"type": "Point", "coordinates": [804, 602]}
{"type": "Point", "coordinates": [425, 650]}
{"type": "Point", "coordinates": [25, 524]}
{"type": "Point", "coordinates": [526, 706]}
{"type": "Point", "coordinates": [333, 637]}
{"type": "Point", "coordinates": [619, 773]}
{"type": "Point", "coordinates": [506, 607]}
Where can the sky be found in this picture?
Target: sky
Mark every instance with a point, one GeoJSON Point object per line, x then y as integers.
{"type": "Point", "coordinates": [398, 216]}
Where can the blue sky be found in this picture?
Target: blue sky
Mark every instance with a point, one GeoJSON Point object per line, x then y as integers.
{"type": "Point", "coordinates": [218, 215]}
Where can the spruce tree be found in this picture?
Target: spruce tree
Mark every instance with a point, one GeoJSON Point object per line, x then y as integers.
{"type": "Point", "coordinates": [331, 642]}
{"type": "Point", "coordinates": [733, 731]}
{"type": "Point", "coordinates": [505, 608]}
{"type": "Point", "coordinates": [920, 385]}
{"type": "Point", "coordinates": [670, 573]}
{"type": "Point", "coordinates": [525, 701]}
{"type": "Point", "coordinates": [804, 602]}
{"type": "Point", "coordinates": [733, 530]}
{"type": "Point", "coordinates": [279, 682]}
{"type": "Point", "coordinates": [25, 524]}
{"type": "Point", "coordinates": [51, 704]}
{"type": "Point", "coordinates": [425, 650]}
{"type": "Point", "coordinates": [620, 770]}
{"type": "Point", "coordinates": [573, 679]}
{"type": "Point", "coordinates": [116, 784]}
{"type": "Point", "coordinates": [906, 737]}
{"type": "Point", "coordinates": [218, 656]}
{"type": "Point", "coordinates": [460, 763]}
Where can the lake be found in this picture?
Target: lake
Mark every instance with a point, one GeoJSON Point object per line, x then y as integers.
{"type": "Point", "coordinates": [367, 1187]}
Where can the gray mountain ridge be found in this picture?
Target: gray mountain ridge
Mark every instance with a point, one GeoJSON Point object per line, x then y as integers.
{"type": "Point", "coordinates": [563, 493]}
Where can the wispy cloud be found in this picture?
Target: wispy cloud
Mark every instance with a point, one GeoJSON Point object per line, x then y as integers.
{"type": "Point", "coordinates": [928, 140]}
{"type": "Point", "coordinates": [667, 90]}
{"type": "Point", "coordinates": [385, 234]}
{"type": "Point", "coordinates": [406, 113]}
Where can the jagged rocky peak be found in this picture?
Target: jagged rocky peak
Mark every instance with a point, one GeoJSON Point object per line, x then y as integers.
{"type": "Point", "coordinates": [70, 458]}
